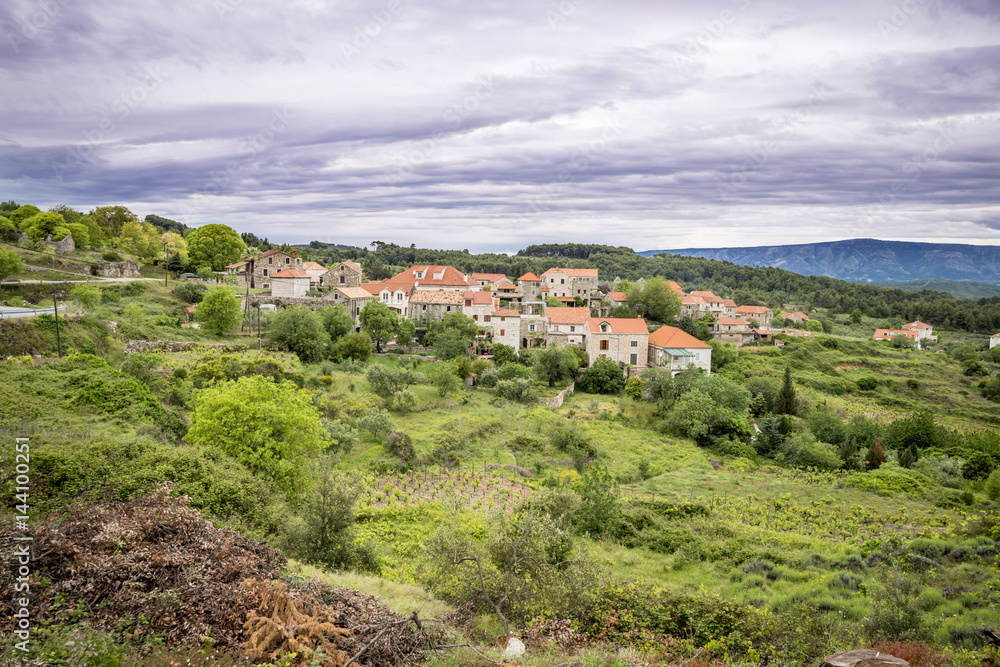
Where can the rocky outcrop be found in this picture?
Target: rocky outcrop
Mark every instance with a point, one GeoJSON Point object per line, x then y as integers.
{"type": "Point", "coordinates": [863, 658]}
{"type": "Point", "coordinates": [125, 269]}
{"type": "Point", "coordinates": [66, 245]}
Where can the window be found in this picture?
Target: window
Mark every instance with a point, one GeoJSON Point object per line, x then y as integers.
{"type": "Point", "coordinates": [448, 308]}
{"type": "Point", "coordinates": [270, 260]}
{"type": "Point", "coordinates": [266, 286]}
{"type": "Point", "coordinates": [634, 343]}
{"type": "Point", "coordinates": [288, 260]}
{"type": "Point", "coordinates": [562, 281]}
{"type": "Point", "coordinates": [486, 318]}
{"type": "Point", "coordinates": [531, 328]}
{"type": "Point", "coordinates": [336, 296]}
{"type": "Point", "coordinates": [697, 356]}
{"type": "Point", "coordinates": [572, 328]}
{"type": "Point", "coordinates": [604, 344]}
{"type": "Point", "coordinates": [605, 328]}
{"type": "Point", "coordinates": [475, 317]}
{"type": "Point", "coordinates": [503, 332]}
{"type": "Point", "coordinates": [424, 307]}
{"type": "Point", "coordinates": [341, 279]}
{"type": "Point", "coordinates": [503, 318]}
{"type": "Point", "coordinates": [633, 358]}
{"type": "Point", "coordinates": [265, 273]}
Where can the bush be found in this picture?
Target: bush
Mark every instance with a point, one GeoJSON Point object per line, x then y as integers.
{"type": "Point", "coordinates": [488, 378]}
{"type": "Point", "coordinates": [189, 292]}
{"type": "Point", "coordinates": [867, 384]}
{"type": "Point", "coordinates": [518, 390]}
{"type": "Point", "coordinates": [112, 256]}
{"type": "Point", "coordinates": [219, 312]}
{"type": "Point", "coordinates": [604, 376]}
{"type": "Point", "coordinates": [376, 421]}
{"type": "Point", "coordinates": [400, 445]}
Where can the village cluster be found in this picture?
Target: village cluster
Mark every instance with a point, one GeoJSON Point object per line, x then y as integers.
{"type": "Point", "coordinates": [518, 314]}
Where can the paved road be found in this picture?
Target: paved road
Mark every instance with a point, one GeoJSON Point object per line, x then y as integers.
{"type": "Point", "coordinates": [59, 282]}
{"type": "Point", "coordinates": [15, 313]}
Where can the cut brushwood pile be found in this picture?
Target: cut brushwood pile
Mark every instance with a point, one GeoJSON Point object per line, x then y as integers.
{"type": "Point", "coordinates": [154, 566]}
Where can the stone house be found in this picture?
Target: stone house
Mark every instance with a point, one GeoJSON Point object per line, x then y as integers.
{"type": "Point", "coordinates": [293, 283]}
{"type": "Point", "coordinates": [530, 286]}
{"type": "Point", "coordinates": [505, 325]}
{"type": "Point", "coordinates": [352, 298]}
{"type": "Point", "coordinates": [478, 305]}
{"type": "Point", "coordinates": [693, 306]}
{"type": "Point", "coordinates": [797, 316]}
{"type": "Point", "coordinates": [433, 304]}
{"type": "Point", "coordinates": [567, 326]}
{"type": "Point", "coordinates": [488, 279]}
{"type": "Point", "coordinates": [570, 283]}
{"type": "Point", "coordinates": [762, 314]}
{"type": "Point", "coordinates": [345, 274]}
{"type": "Point", "coordinates": [395, 292]}
{"type": "Point", "coordinates": [732, 330]}
{"type": "Point", "coordinates": [730, 307]}
{"type": "Point", "coordinates": [623, 340]}
{"type": "Point", "coordinates": [272, 262]}
{"type": "Point", "coordinates": [994, 340]}
{"type": "Point", "coordinates": [673, 349]}
{"type": "Point", "coordinates": [889, 334]}
{"type": "Point", "coordinates": [317, 274]}
{"type": "Point", "coordinates": [923, 331]}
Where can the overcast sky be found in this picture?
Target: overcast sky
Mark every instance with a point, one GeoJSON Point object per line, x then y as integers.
{"type": "Point", "coordinates": [493, 125]}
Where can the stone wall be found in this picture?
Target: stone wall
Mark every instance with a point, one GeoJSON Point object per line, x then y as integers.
{"type": "Point", "coordinates": [65, 245]}
{"type": "Point", "coordinates": [124, 269]}
{"type": "Point", "coordinates": [308, 301]}
{"type": "Point", "coordinates": [557, 400]}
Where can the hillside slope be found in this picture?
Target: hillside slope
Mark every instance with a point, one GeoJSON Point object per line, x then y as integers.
{"type": "Point", "coordinates": [863, 260]}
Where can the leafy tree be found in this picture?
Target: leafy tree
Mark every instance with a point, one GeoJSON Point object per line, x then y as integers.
{"type": "Point", "coordinates": [272, 428]}
{"type": "Point", "coordinates": [214, 245]}
{"type": "Point", "coordinates": [140, 239]}
{"type": "Point", "coordinates": [503, 354]}
{"type": "Point", "coordinates": [978, 466]}
{"type": "Point", "coordinates": [10, 264]}
{"type": "Point", "coordinates": [554, 302]}
{"type": "Point", "coordinates": [336, 321]}
{"type": "Point", "coordinates": [378, 321]}
{"type": "Point", "coordinates": [786, 402]}
{"type": "Point", "coordinates": [112, 219]}
{"type": "Point", "coordinates": [40, 225]}
{"type": "Point", "coordinates": [604, 376]}
{"type": "Point", "coordinates": [385, 380]}
{"type": "Point", "coordinates": [770, 438]}
{"type": "Point", "coordinates": [700, 329]}
{"type": "Point", "coordinates": [22, 213]}
{"type": "Point", "coordinates": [442, 375]}
{"type": "Point", "coordinates": [654, 300]}
{"type": "Point", "coordinates": [856, 316]}
{"type": "Point", "coordinates": [81, 235]}
{"type": "Point", "coordinates": [553, 364]}
{"type": "Point", "coordinates": [405, 332]}
{"type": "Point", "coordinates": [452, 336]}
{"type": "Point", "coordinates": [353, 346]}
{"type": "Point", "coordinates": [219, 310]}
{"type": "Point", "coordinates": [815, 326]}
{"type": "Point", "coordinates": [301, 331]}
{"type": "Point", "coordinates": [87, 296]}
{"type": "Point", "coordinates": [378, 422]}
{"type": "Point", "coordinates": [174, 245]}
{"type": "Point", "coordinates": [723, 354]}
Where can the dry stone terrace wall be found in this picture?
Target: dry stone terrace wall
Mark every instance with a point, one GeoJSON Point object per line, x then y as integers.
{"type": "Point", "coordinates": [182, 346]}
{"type": "Point", "coordinates": [557, 400]}
{"type": "Point", "coordinates": [307, 301]}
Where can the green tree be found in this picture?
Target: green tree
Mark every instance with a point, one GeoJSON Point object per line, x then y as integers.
{"type": "Point", "coordinates": [214, 245]}
{"type": "Point", "coordinates": [353, 346]}
{"type": "Point", "coordinates": [786, 402]}
{"type": "Point", "coordinates": [272, 428]}
{"type": "Point", "coordinates": [10, 264]}
{"type": "Point", "coordinates": [553, 364]}
{"type": "Point", "coordinates": [22, 213]}
{"type": "Point", "coordinates": [442, 376]}
{"type": "Point", "coordinates": [219, 310]}
{"type": "Point", "coordinates": [654, 300]}
{"type": "Point", "coordinates": [405, 332]}
{"type": "Point", "coordinates": [378, 321]}
{"type": "Point", "coordinates": [40, 225]}
{"type": "Point", "coordinates": [336, 321]}
{"type": "Point", "coordinates": [503, 354]}
{"type": "Point", "coordinates": [604, 376]}
{"type": "Point", "coordinates": [140, 239]}
{"type": "Point", "coordinates": [856, 315]}
{"type": "Point", "coordinates": [112, 219]}
{"type": "Point", "coordinates": [175, 245]}
{"type": "Point", "coordinates": [452, 336]}
{"type": "Point", "coordinates": [301, 331]}
{"type": "Point", "coordinates": [87, 296]}
{"type": "Point", "coordinates": [723, 354]}
{"type": "Point", "coordinates": [81, 235]}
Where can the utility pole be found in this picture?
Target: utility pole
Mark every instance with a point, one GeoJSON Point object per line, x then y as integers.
{"type": "Point", "coordinates": [55, 309]}
{"type": "Point", "coordinates": [259, 346]}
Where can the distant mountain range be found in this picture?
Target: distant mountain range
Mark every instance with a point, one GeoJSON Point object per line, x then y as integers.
{"type": "Point", "coordinates": [866, 260]}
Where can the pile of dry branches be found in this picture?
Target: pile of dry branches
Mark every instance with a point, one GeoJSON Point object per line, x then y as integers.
{"type": "Point", "coordinates": [155, 566]}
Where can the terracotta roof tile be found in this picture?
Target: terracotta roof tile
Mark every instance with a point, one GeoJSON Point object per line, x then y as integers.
{"type": "Point", "coordinates": [568, 315]}
{"type": "Point", "coordinates": [437, 296]}
{"type": "Point", "coordinates": [290, 273]}
{"type": "Point", "coordinates": [619, 325]}
{"type": "Point", "coordinates": [674, 337]}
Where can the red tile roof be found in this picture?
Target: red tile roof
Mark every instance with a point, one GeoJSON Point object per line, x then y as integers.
{"type": "Point", "coordinates": [478, 297]}
{"type": "Point", "coordinates": [674, 337]}
{"type": "Point", "coordinates": [889, 333]}
{"type": "Point", "coordinates": [616, 296]}
{"type": "Point", "coordinates": [313, 266]}
{"type": "Point", "coordinates": [752, 310]}
{"type": "Point", "coordinates": [728, 303]}
{"type": "Point", "coordinates": [275, 251]}
{"type": "Point", "coordinates": [529, 277]}
{"type": "Point", "coordinates": [291, 273]}
{"type": "Point", "coordinates": [568, 315]}
{"type": "Point", "coordinates": [489, 277]}
{"type": "Point", "coordinates": [372, 287]}
{"type": "Point", "coordinates": [706, 294]}
{"type": "Point", "coordinates": [233, 266]}
{"type": "Point", "coordinates": [916, 325]}
{"type": "Point", "coordinates": [354, 292]}
{"type": "Point", "coordinates": [735, 321]}
{"type": "Point", "coordinates": [675, 287]}
{"type": "Point", "coordinates": [619, 325]}
{"type": "Point", "coordinates": [506, 312]}
{"type": "Point", "coordinates": [450, 277]}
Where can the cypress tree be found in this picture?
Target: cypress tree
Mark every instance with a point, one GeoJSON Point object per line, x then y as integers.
{"type": "Point", "coordinates": [786, 401]}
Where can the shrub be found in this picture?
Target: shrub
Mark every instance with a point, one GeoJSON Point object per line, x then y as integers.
{"type": "Point", "coordinates": [488, 378]}
{"type": "Point", "coordinates": [300, 330]}
{"type": "Point", "coordinates": [604, 376]}
{"type": "Point", "coordinates": [376, 421]}
{"type": "Point", "coordinates": [518, 390]}
{"type": "Point", "coordinates": [404, 401]}
{"type": "Point", "coordinates": [867, 384]}
{"type": "Point", "coordinates": [219, 312]}
{"type": "Point", "coordinates": [913, 383]}
{"type": "Point", "coordinates": [633, 387]}
{"type": "Point", "coordinates": [189, 292]}
{"type": "Point", "coordinates": [112, 256]}
{"type": "Point", "coordinates": [400, 445]}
